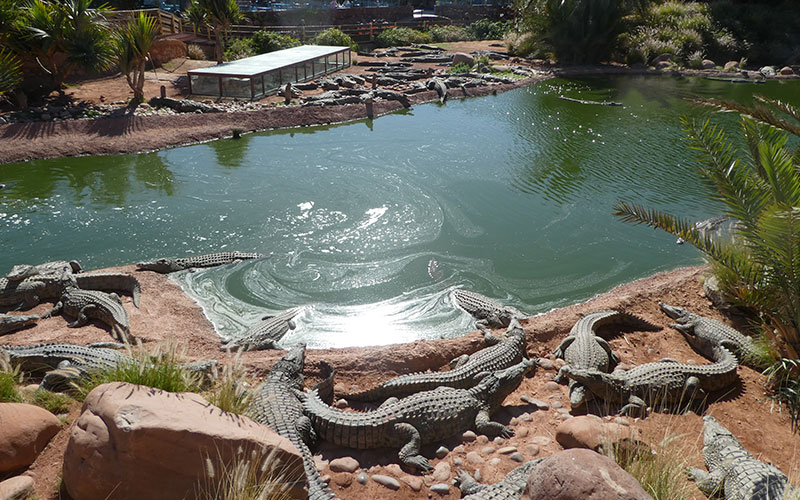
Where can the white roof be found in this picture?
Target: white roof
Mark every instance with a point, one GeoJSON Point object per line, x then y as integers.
{"type": "Point", "coordinates": [270, 61]}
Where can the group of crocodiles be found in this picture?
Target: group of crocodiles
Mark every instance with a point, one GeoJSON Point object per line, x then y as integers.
{"type": "Point", "coordinates": [422, 408]}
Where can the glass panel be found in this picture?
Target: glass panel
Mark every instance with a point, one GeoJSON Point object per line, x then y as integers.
{"type": "Point", "coordinates": [272, 81]}
{"type": "Point", "coordinates": [319, 66]}
{"type": "Point", "coordinates": [205, 85]}
{"type": "Point", "coordinates": [309, 71]}
{"type": "Point", "coordinates": [235, 87]}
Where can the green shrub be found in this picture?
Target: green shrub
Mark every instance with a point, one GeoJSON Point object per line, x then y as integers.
{"type": "Point", "coordinates": [239, 49]}
{"type": "Point", "coordinates": [580, 31]}
{"type": "Point", "coordinates": [335, 38]}
{"type": "Point", "coordinates": [54, 402]}
{"type": "Point", "coordinates": [461, 67]}
{"type": "Point", "coordinates": [10, 377]}
{"type": "Point", "coordinates": [523, 45]}
{"type": "Point", "coordinates": [450, 34]}
{"type": "Point", "coordinates": [266, 41]}
{"type": "Point", "coordinates": [230, 392]}
{"type": "Point", "coordinates": [486, 29]}
{"type": "Point", "coordinates": [397, 37]}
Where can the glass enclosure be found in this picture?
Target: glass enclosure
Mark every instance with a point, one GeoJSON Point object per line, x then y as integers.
{"type": "Point", "coordinates": [261, 75]}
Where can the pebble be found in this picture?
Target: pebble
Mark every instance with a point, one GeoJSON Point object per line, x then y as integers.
{"type": "Point", "coordinates": [530, 449]}
{"type": "Point", "coordinates": [551, 386]}
{"type": "Point", "coordinates": [342, 403]}
{"type": "Point", "coordinates": [394, 469]}
{"type": "Point", "coordinates": [441, 488]}
{"type": "Point", "coordinates": [557, 404]}
{"type": "Point", "coordinates": [413, 482]}
{"type": "Point", "coordinates": [546, 364]}
{"type": "Point", "coordinates": [362, 477]}
{"type": "Point", "coordinates": [498, 440]}
{"type": "Point", "coordinates": [563, 410]}
{"type": "Point", "coordinates": [507, 450]}
{"type": "Point", "coordinates": [344, 464]}
{"type": "Point", "coordinates": [483, 439]}
{"type": "Point", "coordinates": [477, 475]}
{"type": "Point", "coordinates": [469, 436]}
{"type": "Point", "coordinates": [622, 421]}
{"type": "Point", "coordinates": [389, 482]}
{"type": "Point", "coordinates": [514, 421]}
{"type": "Point", "coordinates": [494, 462]}
{"type": "Point", "coordinates": [442, 452]}
{"type": "Point", "coordinates": [458, 461]}
{"type": "Point", "coordinates": [522, 432]}
{"type": "Point", "coordinates": [564, 416]}
{"type": "Point", "coordinates": [474, 458]}
{"type": "Point", "coordinates": [650, 351]}
{"type": "Point", "coordinates": [526, 417]}
{"type": "Point", "coordinates": [343, 479]}
{"type": "Point", "coordinates": [541, 440]}
{"type": "Point", "coordinates": [541, 405]}
{"type": "Point", "coordinates": [487, 450]}
{"type": "Point", "coordinates": [441, 472]}
{"type": "Point", "coordinates": [517, 457]}
{"type": "Point", "coordinates": [459, 449]}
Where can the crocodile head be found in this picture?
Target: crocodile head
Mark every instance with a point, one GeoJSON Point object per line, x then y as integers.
{"type": "Point", "coordinates": [679, 314]}
{"type": "Point", "coordinates": [162, 266]}
{"type": "Point", "coordinates": [499, 384]}
{"type": "Point", "coordinates": [20, 272]}
{"type": "Point", "coordinates": [713, 430]}
{"type": "Point", "coordinates": [597, 382]}
{"type": "Point", "coordinates": [290, 366]}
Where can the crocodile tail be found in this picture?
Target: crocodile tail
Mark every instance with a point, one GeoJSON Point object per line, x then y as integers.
{"type": "Point", "coordinates": [317, 488]}
{"type": "Point", "coordinates": [136, 292]}
{"type": "Point", "coordinates": [325, 388]}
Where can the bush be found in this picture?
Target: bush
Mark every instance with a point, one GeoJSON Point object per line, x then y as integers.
{"type": "Point", "coordinates": [397, 37]}
{"type": "Point", "coordinates": [230, 392]}
{"type": "Point", "coordinates": [580, 31]}
{"type": "Point", "coordinates": [266, 41]}
{"type": "Point", "coordinates": [486, 29]}
{"type": "Point", "coordinates": [523, 45]}
{"type": "Point", "coordinates": [194, 51]}
{"type": "Point", "coordinates": [461, 67]}
{"type": "Point", "coordinates": [9, 378]}
{"type": "Point", "coordinates": [239, 49]}
{"type": "Point", "coordinates": [54, 402]}
{"type": "Point", "coordinates": [335, 38]}
{"type": "Point", "coordinates": [450, 34]}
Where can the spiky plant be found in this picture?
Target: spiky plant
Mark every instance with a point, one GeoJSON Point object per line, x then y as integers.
{"type": "Point", "coordinates": [221, 15]}
{"type": "Point", "coordinates": [10, 75]}
{"type": "Point", "coordinates": [132, 44]}
{"type": "Point", "coordinates": [195, 15]}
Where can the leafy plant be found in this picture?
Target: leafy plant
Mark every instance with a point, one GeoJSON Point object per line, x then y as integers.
{"type": "Point", "coordinates": [267, 41]}
{"type": "Point", "coordinates": [10, 74]}
{"type": "Point", "coordinates": [396, 37]}
{"type": "Point", "coordinates": [132, 44]}
{"type": "Point", "coordinates": [10, 377]}
{"type": "Point", "coordinates": [230, 393]}
{"type": "Point", "coordinates": [336, 38]}
{"type": "Point", "coordinates": [461, 67]}
{"type": "Point", "coordinates": [450, 33]}
{"type": "Point", "coordinates": [221, 14]}
{"type": "Point", "coordinates": [486, 29]}
{"type": "Point", "coordinates": [54, 402]}
{"type": "Point", "coordinates": [194, 51]}
{"type": "Point", "coordinates": [783, 377]}
{"type": "Point", "coordinates": [195, 15]}
{"type": "Point", "coordinates": [239, 49]}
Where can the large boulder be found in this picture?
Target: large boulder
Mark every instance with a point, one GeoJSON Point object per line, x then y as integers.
{"type": "Point", "coordinates": [460, 57]}
{"type": "Point", "coordinates": [136, 442]}
{"type": "Point", "coordinates": [16, 488]}
{"type": "Point", "coordinates": [581, 474]}
{"type": "Point", "coordinates": [24, 432]}
{"type": "Point", "coordinates": [591, 432]}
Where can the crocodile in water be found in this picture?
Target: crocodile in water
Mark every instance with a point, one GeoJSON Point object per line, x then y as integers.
{"type": "Point", "coordinates": [583, 348]}
{"type": "Point", "coordinates": [505, 352]}
{"type": "Point", "coordinates": [510, 488]}
{"type": "Point", "coordinates": [11, 322]}
{"type": "Point", "coordinates": [63, 361]}
{"type": "Point", "coordinates": [276, 405]}
{"type": "Point", "coordinates": [164, 265]}
{"type": "Point", "coordinates": [488, 312]}
{"type": "Point", "coordinates": [105, 307]}
{"type": "Point", "coordinates": [715, 331]}
{"type": "Point", "coordinates": [735, 473]}
{"type": "Point", "coordinates": [424, 417]}
{"type": "Point", "coordinates": [666, 381]}
{"type": "Point", "coordinates": [265, 334]}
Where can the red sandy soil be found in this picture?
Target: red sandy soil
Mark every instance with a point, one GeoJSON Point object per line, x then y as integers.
{"type": "Point", "coordinates": [167, 314]}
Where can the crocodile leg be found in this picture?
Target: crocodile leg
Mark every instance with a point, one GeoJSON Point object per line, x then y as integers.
{"type": "Point", "coordinates": [115, 298]}
{"type": "Point", "coordinates": [634, 403]}
{"type": "Point", "coordinates": [306, 430]}
{"type": "Point", "coordinates": [459, 361]}
{"type": "Point", "coordinates": [55, 310]}
{"type": "Point", "coordinates": [409, 454]}
{"type": "Point", "coordinates": [559, 377]}
{"type": "Point", "coordinates": [484, 425]}
{"type": "Point", "coordinates": [82, 317]}
{"type": "Point", "coordinates": [559, 352]}
{"type": "Point", "coordinates": [710, 484]}
{"type": "Point", "coordinates": [467, 484]}
{"type": "Point", "coordinates": [490, 339]}
{"type": "Point", "coordinates": [612, 356]}
{"type": "Point", "coordinates": [483, 326]}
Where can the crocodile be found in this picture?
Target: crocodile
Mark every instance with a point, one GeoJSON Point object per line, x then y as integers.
{"type": "Point", "coordinates": [276, 405]}
{"type": "Point", "coordinates": [22, 271]}
{"type": "Point", "coordinates": [166, 265]}
{"type": "Point", "coordinates": [105, 307]}
{"type": "Point", "coordinates": [666, 381]}
{"type": "Point", "coordinates": [63, 362]}
{"type": "Point", "coordinates": [423, 417]}
{"type": "Point", "coordinates": [715, 331]}
{"type": "Point", "coordinates": [11, 322]}
{"type": "Point", "coordinates": [29, 292]}
{"type": "Point", "coordinates": [501, 353]}
{"type": "Point", "coordinates": [265, 334]}
{"type": "Point", "coordinates": [488, 312]}
{"type": "Point", "coordinates": [510, 487]}
{"type": "Point", "coordinates": [583, 348]}
{"type": "Point", "coordinates": [109, 281]}
{"type": "Point", "coordinates": [734, 472]}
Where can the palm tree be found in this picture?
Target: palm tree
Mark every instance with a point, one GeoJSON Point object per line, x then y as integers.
{"type": "Point", "coordinates": [760, 269]}
{"type": "Point", "coordinates": [132, 44]}
{"type": "Point", "coordinates": [221, 15]}
{"type": "Point", "coordinates": [196, 15]}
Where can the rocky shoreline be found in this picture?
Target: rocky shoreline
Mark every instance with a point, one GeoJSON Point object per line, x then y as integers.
{"type": "Point", "coordinates": [537, 410]}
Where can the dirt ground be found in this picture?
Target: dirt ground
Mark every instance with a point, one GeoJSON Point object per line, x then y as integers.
{"type": "Point", "coordinates": [166, 313]}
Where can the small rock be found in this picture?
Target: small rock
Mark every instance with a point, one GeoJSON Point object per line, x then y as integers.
{"type": "Point", "coordinates": [459, 449]}
{"type": "Point", "coordinates": [665, 57]}
{"type": "Point", "coordinates": [708, 64]}
{"type": "Point", "coordinates": [342, 403]}
{"type": "Point", "coordinates": [663, 65]}
{"type": "Point", "coordinates": [507, 450]}
{"type": "Point", "coordinates": [541, 405]}
{"type": "Point", "coordinates": [460, 57]}
{"type": "Point", "coordinates": [541, 441]}
{"type": "Point", "coordinates": [469, 436]}
{"type": "Point", "coordinates": [545, 364]}
{"type": "Point", "coordinates": [487, 450]}
{"type": "Point", "coordinates": [522, 432]}
{"type": "Point", "coordinates": [526, 417]}
{"type": "Point", "coordinates": [530, 449]}
{"type": "Point", "coordinates": [474, 458]}
{"type": "Point", "coordinates": [458, 462]}
{"type": "Point", "coordinates": [494, 462]}
{"type": "Point", "coordinates": [16, 488]}
{"type": "Point", "coordinates": [551, 386]}
{"type": "Point", "coordinates": [562, 410]}
{"type": "Point", "coordinates": [394, 469]}
{"type": "Point", "coordinates": [513, 422]}
{"type": "Point", "coordinates": [498, 440]}
{"type": "Point", "coordinates": [786, 71]}
{"type": "Point", "coordinates": [441, 472]}
{"type": "Point", "coordinates": [362, 477]}
{"type": "Point", "coordinates": [517, 457]}
{"type": "Point", "coordinates": [413, 482]}
{"type": "Point", "coordinates": [389, 482]}
{"type": "Point", "coordinates": [564, 416]}
{"type": "Point", "coordinates": [477, 475]}
{"type": "Point", "coordinates": [731, 65]}
{"type": "Point", "coordinates": [344, 464]}
{"type": "Point", "coordinates": [343, 479]}
{"type": "Point", "coordinates": [483, 439]}
{"type": "Point", "coordinates": [440, 488]}
{"type": "Point", "coordinates": [442, 452]}
{"type": "Point", "coordinates": [557, 404]}
{"type": "Point", "coordinates": [622, 421]}
{"type": "Point", "coordinates": [767, 71]}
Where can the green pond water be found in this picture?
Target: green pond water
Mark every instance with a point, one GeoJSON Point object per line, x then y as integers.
{"type": "Point", "coordinates": [372, 223]}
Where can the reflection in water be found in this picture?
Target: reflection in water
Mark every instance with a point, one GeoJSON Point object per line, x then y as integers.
{"type": "Point", "coordinates": [507, 195]}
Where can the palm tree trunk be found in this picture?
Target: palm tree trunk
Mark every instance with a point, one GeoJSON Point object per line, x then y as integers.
{"type": "Point", "coordinates": [218, 32]}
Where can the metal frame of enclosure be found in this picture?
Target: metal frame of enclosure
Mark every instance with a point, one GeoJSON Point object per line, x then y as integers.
{"type": "Point", "coordinates": [261, 75]}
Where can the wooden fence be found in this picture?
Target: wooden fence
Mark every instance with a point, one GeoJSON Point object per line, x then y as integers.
{"type": "Point", "coordinates": [168, 23]}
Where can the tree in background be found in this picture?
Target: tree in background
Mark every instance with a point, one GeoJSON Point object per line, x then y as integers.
{"type": "Point", "coordinates": [132, 44]}
{"type": "Point", "coordinates": [195, 15]}
{"type": "Point", "coordinates": [221, 15]}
